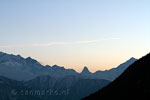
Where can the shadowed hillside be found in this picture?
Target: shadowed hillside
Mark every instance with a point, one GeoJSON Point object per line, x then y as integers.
{"type": "Point", "coordinates": [134, 84]}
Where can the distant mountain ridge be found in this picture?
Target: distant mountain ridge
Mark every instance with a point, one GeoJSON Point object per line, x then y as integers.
{"type": "Point", "coordinates": [21, 73]}
{"type": "Point", "coordinates": [24, 69]}
{"type": "Point", "coordinates": [133, 84]}
{"type": "Point", "coordinates": [19, 68]}
{"type": "Point", "coordinates": [114, 72]}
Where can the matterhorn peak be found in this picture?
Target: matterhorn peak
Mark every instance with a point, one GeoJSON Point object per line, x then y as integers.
{"type": "Point", "coordinates": [85, 70]}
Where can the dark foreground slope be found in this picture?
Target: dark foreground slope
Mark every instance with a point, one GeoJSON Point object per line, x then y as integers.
{"type": "Point", "coordinates": [134, 84]}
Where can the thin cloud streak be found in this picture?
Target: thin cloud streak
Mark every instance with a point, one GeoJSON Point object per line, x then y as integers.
{"type": "Point", "coordinates": [112, 38]}
{"type": "Point", "coordinates": [57, 43]}
{"type": "Point", "coordinates": [49, 44]}
{"type": "Point", "coordinates": [85, 42]}
{"type": "Point", "coordinates": [12, 46]}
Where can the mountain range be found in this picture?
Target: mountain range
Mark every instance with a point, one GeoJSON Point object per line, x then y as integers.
{"type": "Point", "coordinates": [132, 84]}
{"type": "Point", "coordinates": [24, 69]}
{"type": "Point", "coordinates": [27, 79]}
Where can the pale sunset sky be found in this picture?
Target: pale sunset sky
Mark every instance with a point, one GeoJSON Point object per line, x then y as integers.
{"type": "Point", "coordinates": [99, 34]}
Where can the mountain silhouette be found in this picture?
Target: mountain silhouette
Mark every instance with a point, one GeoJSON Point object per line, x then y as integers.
{"type": "Point", "coordinates": [85, 71]}
{"type": "Point", "coordinates": [23, 69]}
{"type": "Point", "coordinates": [113, 73]}
{"type": "Point", "coordinates": [134, 84]}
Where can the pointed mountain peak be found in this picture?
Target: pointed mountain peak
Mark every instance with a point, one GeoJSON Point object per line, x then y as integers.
{"type": "Point", "coordinates": [127, 63]}
{"type": "Point", "coordinates": [85, 70]}
{"type": "Point", "coordinates": [137, 73]}
{"type": "Point", "coordinates": [132, 58]}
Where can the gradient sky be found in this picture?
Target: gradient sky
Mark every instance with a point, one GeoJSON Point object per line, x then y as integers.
{"type": "Point", "coordinates": [99, 34]}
